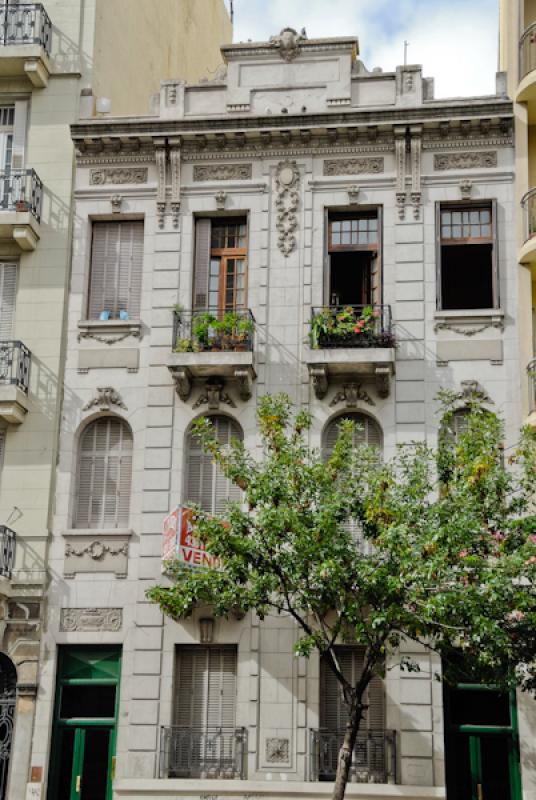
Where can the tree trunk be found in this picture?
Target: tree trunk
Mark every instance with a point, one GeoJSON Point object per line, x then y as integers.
{"type": "Point", "coordinates": [346, 754]}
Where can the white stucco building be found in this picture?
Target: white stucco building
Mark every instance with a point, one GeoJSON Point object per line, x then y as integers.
{"type": "Point", "coordinates": [293, 182]}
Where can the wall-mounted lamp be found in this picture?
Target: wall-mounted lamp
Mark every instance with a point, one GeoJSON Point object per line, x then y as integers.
{"type": "Point", "coordinates": [206, 630]}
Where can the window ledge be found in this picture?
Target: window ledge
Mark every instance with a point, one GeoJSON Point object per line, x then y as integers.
{"type": "Point", "coordinates": [469, 314]}
{"type": "Point", "coordinates": [109, 331]}
{"type": "Point", "coordinates": [99, 533]}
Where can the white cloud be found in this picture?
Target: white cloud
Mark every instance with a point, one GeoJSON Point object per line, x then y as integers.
{"type": "Point", "coordinates": [456, 42]}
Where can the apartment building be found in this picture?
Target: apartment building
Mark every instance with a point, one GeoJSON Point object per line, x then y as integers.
{"type": "Point", "coordinates": [211, 243]}
{"type": "Point", "coordinates": [47, 57]}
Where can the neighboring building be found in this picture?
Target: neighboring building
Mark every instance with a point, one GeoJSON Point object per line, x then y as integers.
{"type": "Point", "coordinates": [296, 181]}
{"type": "Point", "coordinates": [46, 60]}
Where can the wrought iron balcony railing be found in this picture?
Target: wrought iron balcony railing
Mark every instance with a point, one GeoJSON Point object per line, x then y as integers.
{"type": "Point", "coordinates": [374, 759]}
{"type": "Point", "coordinates": [213, 329]}
{"type": "Point", "coordinates": [25, 23]}
{"type": "Point", "coordinates": [202, 753]}
{"type": "Point", "coordinates": [531, 372]}
{"type": "Point", "coordinates": [527, 51]}
{"type": "Point", "coordinates": [21, 190]}
{"type": "Point", "coordinates": [352, 326]}
{"type": "Point", "coordinates": [8, 541]}
{"type": "Point", "coordinates": [15, 359]}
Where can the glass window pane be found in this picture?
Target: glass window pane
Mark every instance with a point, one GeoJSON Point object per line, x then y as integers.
{"type": "Point", "coordinates": [485, 215]}
{"type": "Point", "coordinates": [446, 217]}
{"type": "Point", "coordinates": [362, 224]}
{"type": "Point", "coordinates": [456, 217]}
{"type": "Point", "coordinates": [486, 230]}
{"type": "Point", "coordinates": [457, 231]}
{"type": "Point", "coordinates": [346, 237]}
{"type": "Point", "coordinates": [475, 230]}
{"type": "Point", "coordinates": [82, 702]}
{"type": "Point", "coordinates": [346, 226]}
{"type": "Point", "coordinates": [445, 232]}
{"type": "Point", "coordinates": [475, 216]}
{"type": "Point", "coordinates": [336, 237]}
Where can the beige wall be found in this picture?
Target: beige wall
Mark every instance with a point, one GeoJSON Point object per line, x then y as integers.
{"type": "Point", "coordinates": [140, 43]}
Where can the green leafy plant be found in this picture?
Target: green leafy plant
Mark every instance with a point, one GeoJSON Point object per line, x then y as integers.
{"type": "Point", "coordinates": [202, 326]}
{"type": "Point", "coordinates": [348, 323]}
{"type": "Point", "coordinates": [184, 346]}
{"type": "Point", "coordinates": [450, 561]}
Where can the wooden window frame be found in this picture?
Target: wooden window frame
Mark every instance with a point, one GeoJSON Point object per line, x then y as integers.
{"type": "Point", "coordinates": [493, 239]}
{"type": "Point", "coordinates": [223, 254]}
{"type": "Point", "coordinates": [332, 215]}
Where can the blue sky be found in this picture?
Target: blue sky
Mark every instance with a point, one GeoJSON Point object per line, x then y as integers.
{"type": "Point", "coordinates": [455, 40]}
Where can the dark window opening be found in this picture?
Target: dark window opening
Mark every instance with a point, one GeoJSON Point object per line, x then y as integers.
{"type": "Point", "coordinates": [354, 263]}
{"type": "Point", "coordinates": [351, 279]}
{"type": "Point", "coordinates": [87, 702]}
{"type": "Point", "coordinates": [467, 276]}
{"type": "Point", "coordinates": [479, 707]}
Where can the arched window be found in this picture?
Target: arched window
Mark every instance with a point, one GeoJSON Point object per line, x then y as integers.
{"type": "Point", "coordinates": [205, 483]}
{"type": "Point", "coordinates": [8, 687]}
{"type": "Point", "coordinates": [104, 475]}
{"type": "Point", "coordinates": [367, 431]}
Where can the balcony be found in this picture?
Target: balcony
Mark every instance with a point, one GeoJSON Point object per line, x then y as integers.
{"type": "Point", "coordinates": [208, 753]}
{"type": "Point", "coordinates": [25, 39]}
{"type": "Point", "coordinates": [8, 542]}
{"type": "Point", "coordinates": [352, 342]}
{"type": "Point", "coordinates": [15, 359]}
{"type": "Point", "coordinates": [21, 197]}
{"type": "Point", "coordinates": [216, 347]}
{"type": "Point", "coordinates": [374, 759]}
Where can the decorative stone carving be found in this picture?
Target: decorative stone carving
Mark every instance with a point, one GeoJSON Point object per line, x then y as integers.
{"type": "Point", "coordinates": [416, 152]}
{"type": "Point", "coordinates": [287, 202]}
{"type": "Point", "coordinates": [383, 381]}
{"type": "Point", "coordinates": [401, 204]}
{"type": "Point", "coordinates": [473, 391]}
{"type": "Point", "coordinates": [244, 378]}
{"type": "Point", "coordinates": [175, 159]}
{"type": "Point", "coordinates": [160, 155]}
{"type": "Point", "coordinates": [223, 172]}
{"type": "Point", "coordinates": [277, 750]}
{"type": "Point", "coordinates": [106, 335]}
{"type": "Point", "coordinates": [118, 175]}
{"type": "Point", "coordinates": [221, 199]}
{"type": "Point", "coordinates": [108, 553]}
{"type": "Point", "coordinates": [319, 378]}
{"type": "Point", "coordinates": [116, 201]}
{"type": "Point", "coordinates": [471, 327]}
{"type": "Point", "coordinates": [105, 398]}
{"type": "Point", "coordinates": [400, 151]}
{"type": "Point", "coordinates": [183, 382]}
{"type": "Point", "coordinates": [466, 188]}
{"type": "Point", "coordinates": [350, 394]}
{"type": "Point", "coordinates": [288, 43]}
{"type": "Point", "coordinates": [91, 619]}
{"type": "Point", "coordinates": [483, 159]}
{"type": "Point", "coordinates": [213, 395]}
{"type": "Point", "coordinates": [353, 166]}
{"type": "Point", "coordinates": [353, 195]}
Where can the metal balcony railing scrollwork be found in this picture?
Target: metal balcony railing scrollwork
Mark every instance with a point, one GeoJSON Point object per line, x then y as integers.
{"type": "Point", "coordinates": [528, 205]}
{"type": "Point", "coordinates": [15, 360]}
{"type": "Point", "coordinates": [212, 329]}
{"type": "Point", "coordinates": [8, 541]}
{"type": "Point", "coordinates": [527, 51]}
{"type": "Point", "coordinates": [21, 190]}
{"type": "Point", "coordinates": [352, 326]}
{"type": "Point", "coordinates": [531, 373]}
{"type": "Point", "coordinates": [374, 759]}
{"type": "Point", "coordinates": [25, 23]}
{"type": "Point", "coordinates": [204, 753]}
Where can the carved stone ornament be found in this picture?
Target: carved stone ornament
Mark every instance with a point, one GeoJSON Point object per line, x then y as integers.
{"type": "Point", "coordinates": [222, 172]}
{"type": "Point", "coordinates": [353, 195]}
{"type": "Point", "coordinates": [383, 381]}
{"type": "Point", "coordinates": [416, 203]}
{"type": "Point", "coordinates": [288, 42]}
{"type": "Point", "coordinates": [183, 382]}
{"type": "Point", "coordinates": [221, 199]}
{"type": "Point", "coordinates": [319, 379]}
{"type": "Point", "coordinates": [401, 204]}
{"type": "Point", "coordinates": [96, 550]}
{"type": "Point", "coordinates": [105, 398]}
{"type": "Point", "coordinates": [353, 166]}
{"type": "Point", "coordinates": [87, 554]}
{"type": "Point", "coordinates": [213, 395]}
{"type": "Point", "coordinates": [118, 175]}
{"type": "Point", "coordinates": [287, 201]}
{"type": "Point", "coordinates": [277, 750]}
{"type": "Point", "coordinates": [350, 394]}
{"type": "Point", "coordinates": [91, 619]}
{"type": "Point", "coordinates": [175, 161]}
{"type": "Point", "coordinates": [116, 201]}
{"type": "Point", "coordinates": [483, 159]}
{"type": "Point", "coordinates": [470, 327]}
{"type": "Point", "coordinates": [473, 391]}
{"type": "Point", "coordinates": [466, 188]}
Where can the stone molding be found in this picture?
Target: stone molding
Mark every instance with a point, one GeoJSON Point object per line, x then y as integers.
{"type": "Point", "coordinates": [350, 394]}
{"type": "Point", "coordinates": [222, 172]}
{"type": "Point", "coordinates": [118, 175]}
{"type": "Point", "coordinates": [287, 181]}
{"type": "Point", "coordinates": [105, 398]}
{"type": "Point", "coordinates": [486, 159]}
{"type": "Point", "coordinates": [96, 553]}
{"type": "Point", "coordinates": [353, 166]}
{"type": "Point", "coordinates": [91, 619]}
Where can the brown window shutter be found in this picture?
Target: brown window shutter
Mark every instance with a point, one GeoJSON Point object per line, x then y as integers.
{"type": "Point", "coordinates": [333, 715]}
{"type": "Point", "coordinates": [116, 269]}
{"type": "Point", "coordinates": [8, 291]}
{"type": "Point", "coordinates": [202, 262]}
{"type": "Point", "coordinates": [367, 432]}
{"type": "Point", "coordinates": [205, 693]}
{"type": "Point", "coordinates": [104, 475]}
{"type": "Point", "coordinates": [206, 485]}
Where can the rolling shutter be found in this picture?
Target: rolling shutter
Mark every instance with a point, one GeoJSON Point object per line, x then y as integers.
{"type": "Point", "coordinates": [332, 710]}
{"type": "Point", "coordinates": [8, 290]}
{"type": "Point", "coordinates": [202, 263]}
{"type": "Point", "coordinates": [205, 687]}
{"type": "Point", "coordinates": [206, 485]}
{"type": "Point", "coordinates": [104, 475]}
{"type": "Point", "coordinates": [116, 269]}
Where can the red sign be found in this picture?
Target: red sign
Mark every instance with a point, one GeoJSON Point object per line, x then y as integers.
{"type": "Point", "coordinates": [179, 542]}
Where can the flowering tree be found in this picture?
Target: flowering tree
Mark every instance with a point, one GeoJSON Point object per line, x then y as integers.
{"type": "Point", "coordinates": [451, 565]}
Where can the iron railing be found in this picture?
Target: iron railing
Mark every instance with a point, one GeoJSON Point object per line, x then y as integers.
{"type": "Point", "coordinates": [352, 326]}
{"type": "Point", "coordinates": [527, 51]}
{"type": "Point", "coordinates": [528, 205]}
{"type": "Point", "coordinates": [374, 759]}
{"type": "Point", "coordinates": [15, 360]}
{"type": "Point", "coordinates": [531, 373]}
{"type": "Point", "coordinates": [202, 753]}
{"type": "Point", "coordinates": [25, 23]}
{"type": "Point", "coordinates": [213, 329]}
{"type": "Point", "coordinates": [8, 541]}
{"type": "Point", "coordinates": [21, 190]}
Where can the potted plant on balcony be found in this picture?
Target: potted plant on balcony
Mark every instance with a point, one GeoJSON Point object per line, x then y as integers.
{"type": "Point", "coordinates": [203, 328]}
{"type": "Point", "coordinates": [244, 330]}
{"type": "Point", "coordinates": [21, 205]}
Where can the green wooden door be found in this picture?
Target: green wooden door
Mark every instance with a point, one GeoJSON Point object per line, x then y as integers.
{"type": "Point", "coordinates": [83, 746]}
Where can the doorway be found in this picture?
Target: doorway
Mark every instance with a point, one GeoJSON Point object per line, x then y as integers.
{"type": "Point", "coordinates": [85, 720]}
{"type": "Point", "coordinates": [481, 745]}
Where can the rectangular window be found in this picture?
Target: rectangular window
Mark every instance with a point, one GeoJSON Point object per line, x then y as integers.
{"type": "Point", "coordinates": [333, 715]}
{"type": "Point", "coordinates": [8, 292]}
{"type": "Point", "coordinates": [353, 268]}
{"type": "Point", "coordinates": [220, 279]}
{"type": "Point", "coordinates": [116, 270]}
{"type": "Point", "coordinates": [468, 258]}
